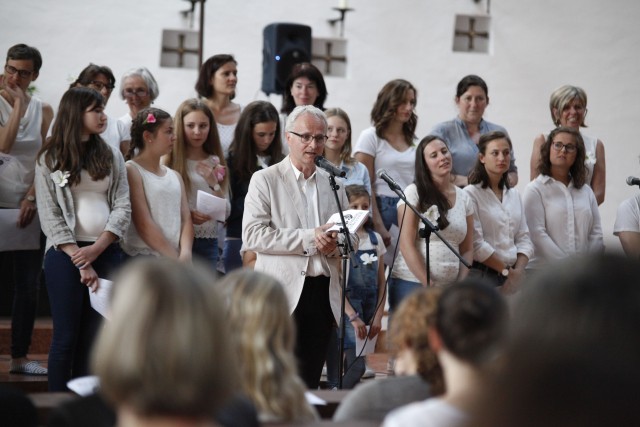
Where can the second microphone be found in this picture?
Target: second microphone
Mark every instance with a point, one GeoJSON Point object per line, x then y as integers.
{"type": "Point", "coordinates": [325, 164]}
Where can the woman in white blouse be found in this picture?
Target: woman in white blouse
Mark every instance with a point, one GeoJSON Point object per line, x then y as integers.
{"type": "Point", "coordinates": [501, 244]}
{"type": "Point", "coordinates": [561, 211]}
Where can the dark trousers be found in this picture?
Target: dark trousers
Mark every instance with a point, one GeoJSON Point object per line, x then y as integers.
{"type": "Point", "coordinates": [314, 320]}
{"type": "Point", "coordinates": [25, 272]}
{"type": "Point", "coordinates": [75, 323]}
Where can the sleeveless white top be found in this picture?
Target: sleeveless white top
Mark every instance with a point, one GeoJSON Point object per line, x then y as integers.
{"type": "Point", "coordinates": [163, 194]}
{"type": "Point", "coordinates": [92, 207]}
{"type": "Point", "coordinates": [18, 176]}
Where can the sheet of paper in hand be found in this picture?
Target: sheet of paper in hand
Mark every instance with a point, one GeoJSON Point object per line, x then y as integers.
{"type": "Point", "coordinates": [353, 218]}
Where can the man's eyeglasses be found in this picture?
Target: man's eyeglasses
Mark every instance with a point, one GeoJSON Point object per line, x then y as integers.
{"type": "Point", "coordinates": [98, 85]}
{"type": "Point", "coordinates": [25, 74]}
{"type": "Point", "coordinates": [569, 148]}
{"type": "Point", "coordinates": [138, 92]}
{"type": "Point", "coordinates": [307, 137]}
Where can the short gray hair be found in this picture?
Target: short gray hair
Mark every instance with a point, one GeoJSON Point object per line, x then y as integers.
{"type": "Point", "coordinates": [305, 109]}
{"type": "Point", "coordinates": [145, 75]}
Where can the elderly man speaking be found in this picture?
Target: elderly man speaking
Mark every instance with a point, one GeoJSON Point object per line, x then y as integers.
{"type": "Point", "coordinates": [285, 215]}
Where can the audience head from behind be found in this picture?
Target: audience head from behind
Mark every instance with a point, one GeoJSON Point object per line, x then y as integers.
{"type": "Point", "coordinates": [304, 86]}
{"type": "Point", "coordinates": [263, 343]}
{"type": "Point", "coordinates": [470, 322]}
{"type": "Point", "coordinates": [409, 339]}
{"type": "Point", "coordinates": [165, 353]}
{"type": "Point", "coordinates": [467, 334]}
{"type": "Point", "coordinates": [573, 350]}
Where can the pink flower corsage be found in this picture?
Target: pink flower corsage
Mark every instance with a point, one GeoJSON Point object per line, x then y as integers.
{"type": "Point", "coordinates": [150, 119]}
{"type": "Point", "coordinates": [218, 169]}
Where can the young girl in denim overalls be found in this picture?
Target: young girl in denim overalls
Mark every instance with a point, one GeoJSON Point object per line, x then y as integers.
{"type": "Point", "coordinates": [365, 296]}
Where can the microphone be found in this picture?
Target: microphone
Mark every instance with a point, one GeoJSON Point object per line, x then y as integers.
{"type": "Point", "coordinates": [390, 181]}
{"type": "Point", "coordinates": [325, 164]}
{"type": "Point", "coordinates": [632, 180]}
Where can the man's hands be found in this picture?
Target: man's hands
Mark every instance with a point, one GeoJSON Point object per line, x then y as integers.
{"type": "Point", "coordinates": [326, 242]}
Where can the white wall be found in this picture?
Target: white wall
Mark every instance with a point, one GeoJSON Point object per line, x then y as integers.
{"type": "Point", "coordinates": [536, 46]}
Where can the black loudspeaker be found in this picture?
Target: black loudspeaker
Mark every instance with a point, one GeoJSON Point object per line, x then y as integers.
{"type": "Point", "coordinates": [284, 46]}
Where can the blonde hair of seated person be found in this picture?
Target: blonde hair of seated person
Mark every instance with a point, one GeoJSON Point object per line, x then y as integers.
{"type": "Point", "coordinates": [165, 353]}
{"type": "Point", "coordinates": [264, 341]}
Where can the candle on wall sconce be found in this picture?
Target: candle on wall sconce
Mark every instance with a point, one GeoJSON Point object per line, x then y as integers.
{"type": "Point", "coordinates": [343, 8]}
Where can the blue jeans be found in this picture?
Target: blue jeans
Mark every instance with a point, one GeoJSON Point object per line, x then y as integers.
{"type": "Point", "coordinates": [25, 272]}
{"type": "Point", "coordinates": [75, 323]}
{"type": "Point", "coordinates": [231, 255]}
{"type": "Point", "coordinates": [398, 290]}
{"type": "Point", "coordinates": [388, 208]}
{"type": "Point", "coordinates": [206, 250]}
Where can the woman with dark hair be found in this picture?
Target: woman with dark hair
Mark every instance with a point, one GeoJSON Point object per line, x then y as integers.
{"type": "Point", "coordinates": [568, 108]}
{"type": "Point", "coordinates": [561, 211]}
{"type": "Point", "coordinates": [469, 330]}
{"type": "Point", "coordinates": [389, 144]}
{"type": "Point", "coordinates": [434, 194]}
{"type": "Point", "coordinates": [217, 85]}
{"type": "Point", "coordinates": [462, 134]}
{"type": "Point", "coordinates": [256, 146]}
{"type": "Point", "coordinates": [83, 203]}
{"type": "Point", "coordinates": [101, 78]}
{"type": "Point", "coordinates": [160, 217]}
{"type": "Point", "coordinates": [304, 86]}
{"type": "Point", "coordinates": [501, 244]}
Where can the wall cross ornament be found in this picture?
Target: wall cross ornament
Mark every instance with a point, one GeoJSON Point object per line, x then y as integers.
{"type": "Point", "coordinates": [472, 33]}
{"type": "Point", "coordinates": [181, 50]}
{"type": "Point", "coordinates": [328, 58]}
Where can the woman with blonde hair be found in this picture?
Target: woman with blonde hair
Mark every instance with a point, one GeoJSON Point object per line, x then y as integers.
{"type": "Point", "coordinates": [175, 371]}
{"type": "Point", "coordinates": [198, 157]}
{"type": "Point", "coordinates": [264, 342]}
{"type": "Point", "coordinates": [337, 149]}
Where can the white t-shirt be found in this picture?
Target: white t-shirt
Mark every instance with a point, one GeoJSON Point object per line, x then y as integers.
{"type": "Point", "coordinates": [116, 132]}
{"type": "Point", "coordinates": [628, 216]}
{"type": "Point", "coordinates": [432, 412]}
{"type": "Point", "coordinates": [399, 165]}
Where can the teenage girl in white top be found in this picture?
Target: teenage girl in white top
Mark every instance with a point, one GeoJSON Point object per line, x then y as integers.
{"type": "Point", "coordinates": [160, 218]}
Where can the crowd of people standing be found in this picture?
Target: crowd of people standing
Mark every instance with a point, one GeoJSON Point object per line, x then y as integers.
{"type": "Point", "coordinates": [107, 190]}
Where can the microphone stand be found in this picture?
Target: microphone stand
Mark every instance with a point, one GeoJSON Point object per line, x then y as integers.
{"type": "Point", "coordinates": [425, 233]}
{"type": "Point", "coordinates": [346, 253]}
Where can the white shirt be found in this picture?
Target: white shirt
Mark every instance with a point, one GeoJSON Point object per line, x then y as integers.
{"type": "Point", "coordinates": [628, 216]}
{"type": "Point", "coordinates": [499, 226]}
{"type": "Point", "coordinates": [116, 132]}
{"type": "Point", "coordinates": [563, 220]}
{"type": "Point", "coordinates": [400, 165]}
{"type": "Point", "coordinates": [432, 412]}
{"type": "Point", "coordinates": [316, 266]}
